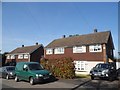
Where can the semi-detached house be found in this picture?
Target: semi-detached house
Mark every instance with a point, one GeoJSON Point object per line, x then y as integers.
{"type": "Point", "coordinates": [26, 54]}
{"type": "Point", "coordinates": [85, 50]}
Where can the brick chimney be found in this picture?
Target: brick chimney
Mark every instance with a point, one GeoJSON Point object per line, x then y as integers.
{"type": "Point", "coordinates": [95, 30]}
{"type": "Point", "coordinates": [63, 36]}
{"type": "Point", "coordinates": [22, 45]}
{"type": "Point", "coordinates": [36, 43]}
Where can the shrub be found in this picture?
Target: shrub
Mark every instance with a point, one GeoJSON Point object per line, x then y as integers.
{"type": "Point", "coordinates": [62, 68]}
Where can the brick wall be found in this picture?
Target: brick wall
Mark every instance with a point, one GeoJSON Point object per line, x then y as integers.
{"type": "Point", "coordinates": [88, 56]}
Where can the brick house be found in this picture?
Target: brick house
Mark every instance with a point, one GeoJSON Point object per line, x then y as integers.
{"type": "Point", "coordinates": [26, 53]}
{"type": "Point", "coordinates": [85, 50]}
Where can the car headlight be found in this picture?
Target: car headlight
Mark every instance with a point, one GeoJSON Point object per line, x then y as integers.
{"type": "Point", "coordinates": [105, 71]}
{"type": "Point", "coordinates": [37, 75]}
{"type": "Point", "coordinates": [11, 73]}
{"type": "Point", "coordinates": [40, 75]}
{"type": "Point", "coordinates": [50, 73]}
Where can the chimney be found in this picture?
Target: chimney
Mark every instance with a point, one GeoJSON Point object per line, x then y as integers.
{"type": "Point", "coordinates": [95, 30]}
{"type": "Point", "coordinates": [36, 43]}
{"type": "Point", "coordinates": [22, 45]}
{"type": "Point", "coordinates": [63, 36]}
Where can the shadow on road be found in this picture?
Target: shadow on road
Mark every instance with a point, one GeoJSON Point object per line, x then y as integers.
{"type": "Point", "coordinates": [80, 85]}
{"type": "Point", "coordinates": [98, 84]}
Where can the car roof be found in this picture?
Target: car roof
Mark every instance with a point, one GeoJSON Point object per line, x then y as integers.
{"type": "Point", "coordinates": [27, 63]}
{"type": "Point", "coordinates": [8, 66]}
{"type": "Point", "coordinates": [104, 63]}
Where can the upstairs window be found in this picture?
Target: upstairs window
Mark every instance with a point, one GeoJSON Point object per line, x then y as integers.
{"type": "Point", "coordinates": [12, 56]}
{"type": "Point", "coordinates": [80, 49]}
{"type": "Point", "coordinates": [95, 48]}
{"type": "Point", "coordinates": [49, 51]}
{"type": "Point", "coordinates": [8, 56]}
{"type": "Point", "coordinates": [59, 50]}
{"type": "Point", "coordinates": [25, 56]}
{"type": "Point", "coordinates": [20, 56]}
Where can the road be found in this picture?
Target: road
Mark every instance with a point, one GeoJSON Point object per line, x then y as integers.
{"type": "Point", "coordinates": [101, 85]}
{"type": "Point", "coordinates": [23, 84]}
{"type": "Point", "coordinates": [71, 84]}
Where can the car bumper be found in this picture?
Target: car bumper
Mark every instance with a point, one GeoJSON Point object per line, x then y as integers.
{"type": "Point", "coordinates": [11, 76]}
{"type": "Point", "coordinates": [41, 79]}
{"type": "Point", "coordinates": [100, 75]}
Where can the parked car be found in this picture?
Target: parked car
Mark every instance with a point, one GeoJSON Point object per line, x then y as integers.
{"type": "Point", "coordinates": [0, 72]}
{"type": "Point", "coordinates": [104, 70]}
{"type": "Point", "coordinates": [32, 72]}
{"type": "Point", "coordinates": [7, 72]}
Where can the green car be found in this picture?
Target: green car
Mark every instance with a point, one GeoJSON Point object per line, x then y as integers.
{"type": "Point", "coordinates": [32, 72]}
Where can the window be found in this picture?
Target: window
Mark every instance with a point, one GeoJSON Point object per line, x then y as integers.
{"type": "Point", "coordinates": [59, 50]}
{"type": "Point", "coordinates": [12, 56]}
{"type": "Point", "coordinates": [80, 49]}
{"type": "Point", "coordinates": [20, 56]}
{"type": "Point", "coordinates": [49, 51]}
{"type": "Point", "coordinates": [80, 65]}
{"type": "Point", "coordinates": [95, 48]}
{"type": "Point", "coordinates": [8, 56]}
{"type": "Point", "coordinates": [25, 56]}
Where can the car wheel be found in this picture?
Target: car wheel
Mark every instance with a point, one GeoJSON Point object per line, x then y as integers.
{"type": "Point", "coordinates": [110, 78]}
{"type": "Point", "coordinates": [16, 79]}
{"type": "Point", "coordinates": [7, 77]}
{"type": "Point", "coordinates": [31, 81]}
{"type": "Point", "coordinates": [92, 77]}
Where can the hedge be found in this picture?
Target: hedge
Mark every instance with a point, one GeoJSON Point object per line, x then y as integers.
{"type": "Point", "coordinates": [62, 68]}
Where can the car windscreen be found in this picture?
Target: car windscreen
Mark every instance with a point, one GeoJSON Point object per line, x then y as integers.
{"type": "Point", "coordinates": [35, 67]}
{"type": "Point", "coordinates": [106, 66]}
{"type": "Point", "coordinates": [10, 68]}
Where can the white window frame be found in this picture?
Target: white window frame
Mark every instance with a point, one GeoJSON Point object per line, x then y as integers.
{"type": "Point", "coordinates": [8, 56]}
{"type": "Point", "coordinates": [12, 56]}
{"type": "Point", "coordinates": [20, 56]}
{"type": "Point", "coordinates": [59, 50]}
{"type": "Point", "coordinates": [80, 65]}
{"type": "Point", "coordinates": [26, 56]}
{"type": "Point", "coordinates": [95, 48]}
{"type": "Point", "coordinates": [79, 49]}
{"type": "Point", "coordinates": [49, 51]}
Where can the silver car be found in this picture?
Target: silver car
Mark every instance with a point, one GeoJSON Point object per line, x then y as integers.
{"type": "Point", "coordinates": [7, 72]}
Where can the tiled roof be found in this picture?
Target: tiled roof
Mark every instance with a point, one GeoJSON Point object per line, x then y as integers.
{"type": "Point", "coordinates": [93, 38]}
{"type": "Point", "coordinates": [25, 49]}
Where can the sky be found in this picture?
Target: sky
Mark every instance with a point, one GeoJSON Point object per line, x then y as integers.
{"type": "Point", "coordinates": [25, 23]}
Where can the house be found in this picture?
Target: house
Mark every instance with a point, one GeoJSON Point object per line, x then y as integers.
{"type": "Point", "coordinates": [26, 53]}
{"type": "Point", "coordinates": [118, 63]}
{"type": "Point", "coordinates": [85, 50]}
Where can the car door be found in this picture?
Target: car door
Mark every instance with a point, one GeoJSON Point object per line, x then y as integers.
{"type": "Point", "coordinates": [4, 72]}
{"type": "Point", "coordinates": [1, 72]}
{"type": "Point", "coordinates": [25, 73]}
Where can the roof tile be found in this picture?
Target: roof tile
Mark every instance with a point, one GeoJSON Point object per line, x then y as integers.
{"type": "Point", "coordinates": [93, 38]}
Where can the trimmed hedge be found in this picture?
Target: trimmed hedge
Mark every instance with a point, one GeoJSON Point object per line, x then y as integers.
{"type": "Point", "coordinates": [62, 68]}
